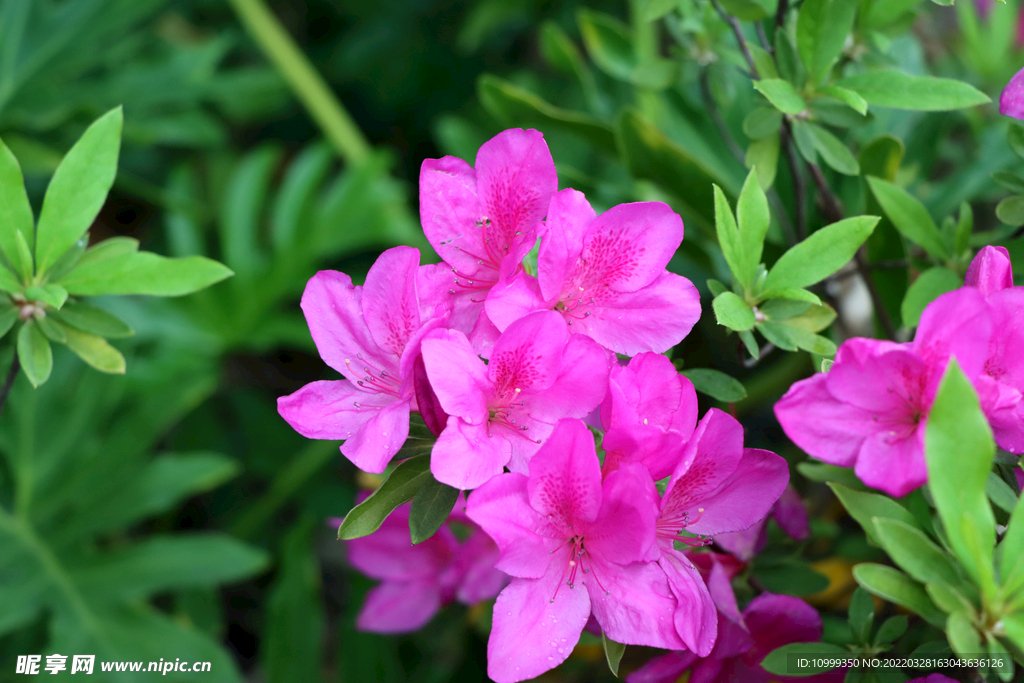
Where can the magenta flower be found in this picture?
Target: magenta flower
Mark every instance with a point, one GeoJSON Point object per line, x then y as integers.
{"type": "Point", "coordinates": [606, 275]}
{"type": "Point", "coordinates": [574, 546]}
{"type": "Point", "coordinates": [416, 580]}
{"type": "Point", "coordinates": [483, 221]}
{"type": "Point", "coordinates": [990, 271]}
{"type": "Point", "coordinates": [871, 409]}
{"type": "Point", "coordinates": [648, 415]}
{"type": "Point", "coordinates": [371, 335]}
{"type": "Point", "coordinates": [501, 412]}
{"type": "Point", "coordinates": [934, 678]}
{"type": "Point", "coordinates": [1011, 101]}
{"type": "Point", "coordinates": [789, 512]}
{"type": "Point", "coordinates": [718, 487]}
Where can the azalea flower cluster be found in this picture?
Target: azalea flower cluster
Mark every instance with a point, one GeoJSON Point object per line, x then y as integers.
{"type": "Point", "coordinates": [504, 362]}
{"type": "Point", "coordinates": [870, 410]}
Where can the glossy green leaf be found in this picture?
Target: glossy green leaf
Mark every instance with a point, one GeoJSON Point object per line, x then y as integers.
{"type": "Point", "coordinates": [815, 319]}
{"type": "Point", "coordinates": [745, 10]}
{"type": "Point", "coordinates": [430, 508]}
{"type": "Point", "coordinates": [821, 30]}
{"type": "Point", "coordinates": [915, 553]}
{"type": "Point", "coordinates": [1011, 210]}
{"type": "Point", "coordinates": [53, 331]}
{"type": "Point", "coordinates": [8, 316]}
{"type": "Point", "coordinates": [9, 282]}
{"type": "Point", "coordinates": [1011, 565]}
{"type": "Point", "coordinates": [732, 312]}
{"type": "Point", "coordinates": [109, 249]}
{"type": "Point", "coordinates": [959, 450]}
{"type": "Point", "coordinates": [34, 354]}
{"type": "Point", "coordinates": [397, 489]}
{"type": "Point", "coordinates": [78, 189]}
{"type": "Point", "coordinates": [791, 338]}
{"type": "Point", "coordinates": [783, 309]}
{"type": "Point", "coordinates": [909, 217]}
{"type": "Point", "coordinates": [861, 614]}
{"type": "Point", "coordinates": [514, 106]}
{"type": "Point", "coordinates": [715, 384]}
{"type": "Point", "coordinates": [730, 241]}
{"type": "Point", "coordinates": [891, 629]}
{"type": "Point", "coordinates": [95, 351]}
{"type": "Point", "coordinates": [928, 287]}
{"type": "Point", "coordinates": [763, 157]}
{"type": "Point", "coordinates": [753, 219]}
{"type": "Point", "coordinates": [22, 262]}
{"type": "Point", "coordinates": [895, 586]}
{"type": "Point", "coordinates": [762, 122]}
{"type": "Point", "coordinates": [93, 320]}
{"type": "Point", "coordinates": [866, 507]}
{"type": "Point", "coordinates": [964, 228]}
{"type": "Point", "coordinates": [947, 598]}
{"type": "Point", "coordinates": [1001, 660]}
{"type": "Point", "coordinates": [833, 151]}
{"type": "Point", "coordinates": [1000, 493]}
{"type": "Point", "coordinates": [883, 13]}
{"type": "Point", "coordinates": [747, 337]}
{"type": "Point", "coordinates": [1009, 180]}
{"type": "Point", "coordinates": [15, 211]}
{"type": "Point", "coordinates": [847, 97]}
{"type": "Point", "coordinates": [1013, 624]}
{"type": "Point", "coordinates": [781, 94]}
{"type": "Point", "coordinates": [613, 652]}
{"type": "Point", "coordinates": [821, 254]}
{"type": "Point", "coordinates": [50, 294]}
{"type": "Point", "coordinates": [778, 661]}
{"type": "Point", "coordinates": [145, 273]}
{"type": "Point", "coordinates": [796, 294]}
{"type": "Point", "coordinates": [921, 93]}
{"type": "Point", "coordinates": [962, 635]}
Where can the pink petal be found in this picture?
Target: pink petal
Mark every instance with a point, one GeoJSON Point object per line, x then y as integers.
{"type": "Point", "coordinates": [399, 607]}
{"type": "Point", "coordinates": [481, 580]}
{"type": "Point", "coordinates": [427, 403]}
{"type": "Point", "coordinates": [659, 451]}
{"type": "Point", "coordinates": [449, 211]}
{"type": "Point", "coordinates": [940, 333]}
{"type": "Point", "coordinates": [695, 618]}
{"type": "Point", "coordinates": [790, 514]}
{"type": "Point", "coordinates": [569, 216]}
{"type": "Point", "coordinates": [533, 633]}
{"type": "Point", "coordinates": [457, 375]}
{"type": "Point", "coordinates": [434, 285]}
{"type": "Point", "coordinates": [624, 530]}
{"type": "Point", "coordinates": [745, 497]}
{"type": "Point", "coordinates": [328, 410]}
{"type": "Point", "coordinates": [581, 383]}
{"type": "Point", "coordinates": [709, 459]}
{"type": "Point", "coordinates": [893, 461]}
{"type": "Point", "coordinates": [747, 543]}
{"type": "Point", "coordinates": [654, 318]}
{"type": "Point", "coordinates": [333, 310]}
{"type": "Point", "coordinates": [628, 246]}
{"type": "Point", "coordinates": [390, 303]}
{"type": "Point", "coordinates": [467, 455]}
{"type": "Point", "coordinates": [514, 298]}
{"type": "Point", "coordinates": [666, 668]}
{"type": "Point", "coordinates": [1011, 101]}
{"type": "Point", "coordinates": [376, 442]}
{"type": "Point", "coordinates": [389, 554]}
{"type": "Point", "coordinates": [633, 603]}
{"type": "Point", "coordinates": [777, 620]}
{"type": "Point", "coordinates": [990, 271]}
{"type": "Point", "coordinates": [565, 476]}
{"type": "Point", "coordinates": [879, 376]}
{"type": "Point", "coordinates": [525, 537]}
{"type": "Point", "coordinates": [484, 335]}
{"type": "Point", "coordinates": [821, 425]}
{"type": "Point", "coordinates": [528, 355]}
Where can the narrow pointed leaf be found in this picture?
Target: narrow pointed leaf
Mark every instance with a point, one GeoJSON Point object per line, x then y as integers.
{"type": "Point", "coordinates": [753, 218]}
{"type": "Point", "coordinates": [895, 586]}
{"type": "Point", "coordinates": [145, 273]}
{"type": "Point", "coordinates": [909, 217]}
{"type": "Point", "coordinates": [613, 652]}
{"type": "Point", "coordinates": [920, 93]}
{"type": "Point", "coordinates": [95, 351]}
{"type": "Point", "coordinates": [716, 384]}
{"type": "Point", "coordinates": [430, 508]}
{"type": "Point", "coordinates": [34, 353]}
{"type": "Point", "coordinates": [15, 211]}
{"type": "Point", "coordinates": [915, 553]}
{"type": "Point", "coordinates": [732, 312]}
{"type": "Point", "coordinates": [820, 255]}
{"type": "Point", "coordinates": [399, 488]}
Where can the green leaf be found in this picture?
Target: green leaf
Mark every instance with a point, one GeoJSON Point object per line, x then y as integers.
{"type": "Point", "coordinates": [891, 629]}
{"type": "Point", "coordinates": [93, 320]}
{"type": "Point", "coordinates": [732, 312]}
{"type": "Point", "coordinates": [608, 43]}
{"type": "Point", "coordinates": [397, 489]}
{"type": "Point", "coordinates": [1011, 210]}
{"type": "Point", "coordinates": [928, 286]}
{"type": "Point", "coordinates": [815, 319]}
{"type": "Point", "coordinates": [783, 309]}
{"type": "Point", "coordinates": [959, 450]}
{"type": "Point", "coordinates": [729, 240]}
{"type": "Point", "coordinates": [747, 337]}
{"type": "Point", "coordinates": [1013, 624]}
{"type": "Point", "coordinates": [778, 661]}
{"type": "Point", "coordinates": [430, 508]}
{"type": "Point", "coordinates": [1015, 138]}
{"type": "Point", "coordinates": [1000, 493]}
{"type": "Point", "coordinates": [78, 189]}
{"type": "Point", "coordinates": [292, 643]}
{"type": "Point", "coordinates": [821, 30]}
{"type": "Point", "coordinates": [895, 586]}
{"type": "Point", "coordinates": [512, 105]}
{"type": "Point", "coordinates": [560, 51]}
{"type": "Point", "coordinates": [1011, 568]}
{"type": "Point", "coordinates": [52, 330]}
{"type": "Point", "coordinates": [909, 217]}
{"type": "Point", "coordinates": [95, 351]}
{"type": "Point", "coordinates": [881, 14]}
{"type": "Point", "coordinates": [963, 637]}
{"type": "Point", "coordinates": [9, 282]}
{"type": "Point", "coordinates": [612, 653]}
{"type": "Point", "coordinates": [866, 507]}
{"type": "Point", "coordinates": [241, 210]}
{"type": "Point", "coordinates": [820, 255]}
{"type": "Point", "coordinates": [745, 10]}
{"type": "Point", "coordinates": [1009, 180]}
{"type": "Point", "coordinates": [51, 294]}
{"type": "Point", "coordinates": [920, 93]}
{"type": "Point", "coordinates": [947, 598]}
{"type": "Point", "coordinates": [791, 338]}
{"type": "Point", "coordinates": [796, 294]}
{"type": "Point", "coordinates": [847, 97]}
{"type": "Point", "coordinates": [964, 228]}
{"type": "Point", "coordinates": [762, 122]}
{"type": "Point", "coordinates": [881, 157]}
{"type": "Point", "coordinates": [109, 249]}
{"type": "Point", "coordinates": [145, 273]}
{"type": "Point", "coordinates": [22, 262]}
{"type": "Point", "coordinates": [833, 151]}
{"type": "Point", "coordinates": [8, 316]}
{"type": "Point", "coordinates": [820, 471]}
{"type": "Point", "coordinates": [34, 354]}
{"type": "Point", "coordinates": [781, 94]}
{"type": "Point", "coordinates": [914, 552]}
{"type": "Point", "coordinates": [715, 384]}
{"type": "Point", "coordinates": [716, 287]}
{"type": "Point", "coordinates": [15, 211]}
{"type": "Point", "coordinates": [763, 157]}
{"type": "Point", "coordinates": [1002, 662]}
{"type": "Point", "coordinates": [753, 217]}
{"type": "Point", "coordinates": [862, 614]}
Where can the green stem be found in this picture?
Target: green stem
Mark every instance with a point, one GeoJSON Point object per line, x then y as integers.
{"type": "Point", "coordinates": [308, 85]}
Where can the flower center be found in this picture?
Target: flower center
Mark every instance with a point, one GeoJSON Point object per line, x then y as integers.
{"type": "Point", "coordinates": [672, 526]}
{"type": "Point", "coordinates": [375, 380]}
{"type": "Point", "coordinates": [575, 563]}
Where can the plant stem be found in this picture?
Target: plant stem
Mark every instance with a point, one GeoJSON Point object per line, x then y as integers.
{"type": "Point", "coordinates": [799, 189]}
{"type": "Point", "coordinates": [780, 13]}
{"type": "Point", "coordinates": [12, 374]}
{"type": "Point", "coordinates": [311, 89]}
{"type": "Point", "coordinates": [740, 40]}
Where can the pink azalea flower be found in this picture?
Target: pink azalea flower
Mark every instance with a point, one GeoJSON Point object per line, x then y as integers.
{"type": "Point", "coordinates": [416, 580]}
{"type": "Point", "coordinates": [484, 220]}
{"type": "Point", "coordinates": [500, 413]}
{"type": "Point", "coordinates": [990, 271]}
{"type": "Point", "coordinates": [871, 409]}
{"type": "Point", "coordinates": [718, 487]}
{"type": "Point", "coordinates": [649, 413]}
{"type": "Point", "coordinates": [606, 275]}
{"type": "Point", "coordinates": [789, 512]}
{"type": "Point", "coordinates": [934, 678]}
{"type": "Point", "coordinates": [371, 335]}
{"type": "Point", "coordinates": [1011, 101]}
{"type": "Point", "coordinates": [574, 546]}
{"type": "Point", "coordinates": [768, 622]}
